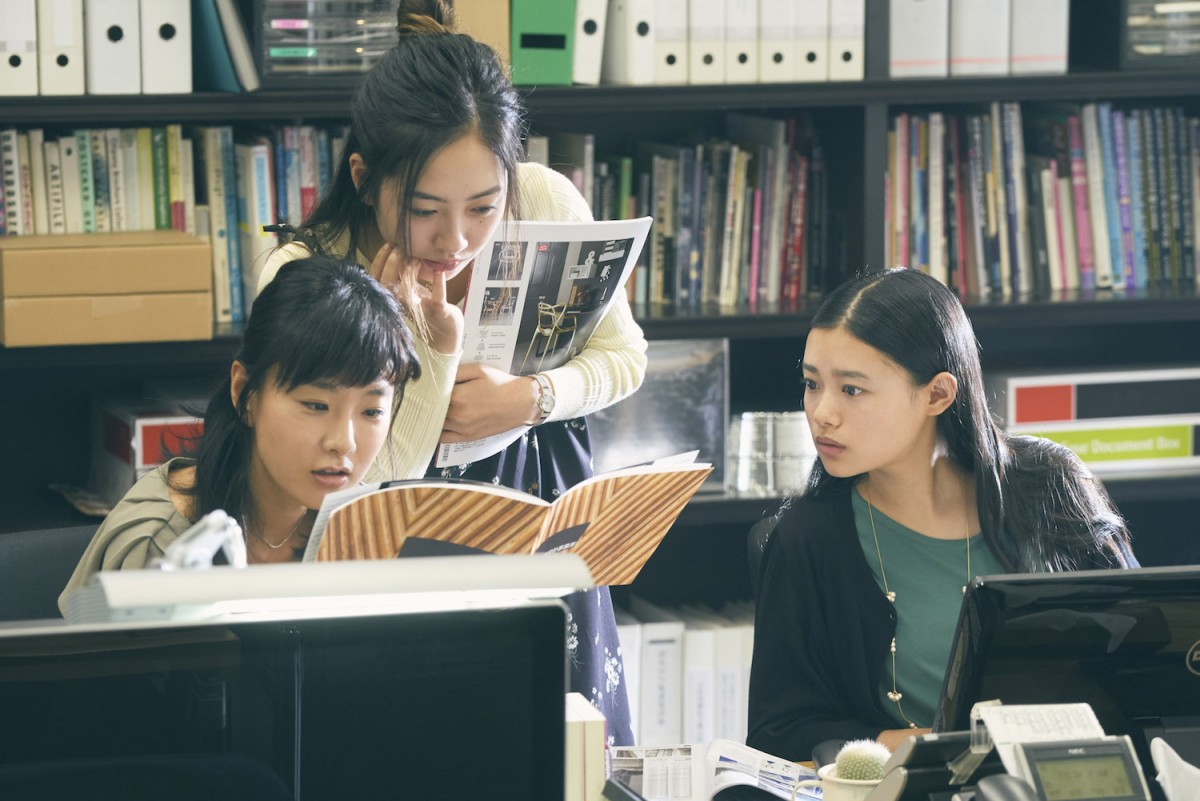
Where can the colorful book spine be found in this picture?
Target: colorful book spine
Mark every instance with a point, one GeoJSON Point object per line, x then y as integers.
{"type": "Point", "coordinates": [1150, 191]}
{"type": "Point", "coordinates": [1112, 201]}
{"type": "Point", "coordinates": [115, 161]}
{"type": "Point", "coordinates": [1137, 198]}
{"type": "Point", "coordinates": [1163, 210]}
{"type": "Point", "coordinates": [999, 186]}
{"type": "Point", "coordinates": [1124, 204]}
{"type": "Point", "coordinates": [1094, 154]}
{"type": "Point", "coordinates": [175, 176]}
{"type": "Point", "coordinates": [160, 170]}
{"type": "Point", "coordinates": [237, 306]}
{"type": "Point", "coordinates": [55, 201]}
{"type": "Point", "coordinates": [1080, 195]}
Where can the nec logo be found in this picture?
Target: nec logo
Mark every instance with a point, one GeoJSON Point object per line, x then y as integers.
{"type": "Point", "coordinates": [1193, 658]}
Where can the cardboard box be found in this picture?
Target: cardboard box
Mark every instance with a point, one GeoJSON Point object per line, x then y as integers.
{"type": "Point", "coordinates": [98, 288]}
{"type": "Point", "coordinates": [131, 437]}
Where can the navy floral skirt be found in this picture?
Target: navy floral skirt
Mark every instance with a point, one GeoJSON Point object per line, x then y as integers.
{"type": "Point", "coordinates": [546, 461]}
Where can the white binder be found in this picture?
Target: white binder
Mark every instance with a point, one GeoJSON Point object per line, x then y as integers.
{"type": "Point", "coordinates": [590, 16]}
{"type": "Point", "coordinates": [812, 40]}
{"type": "Point", "coordinates": [919, 38]}
{"type": "Point", "coordinates": [60, 47]}
{"type": "Point", "coordinates": [847, 21]}
{"type": "Point", "coordinates": [777, 41]}
{"type": "Point", "coordinates": [706, 41]}
{"type": "Point", "coordinates": [671, 41]}
{"type": "Point", "coordinates": [741, 41]}
{"type": "Point", "coordinates": [979, 35]}
{"type": "Point", "coordinates": [1039, 33]}
{"type": "Point", "coordinates": [18, 47]}
{"type": "Point", "coordinates": [166, 28]}
{"type": "Point", "coordinates": [114, 51]}
{"type": "Point", "coordinates": [629, 43]}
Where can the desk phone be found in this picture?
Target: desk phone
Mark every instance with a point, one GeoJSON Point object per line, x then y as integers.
{"type": "Point", "coordinates": [1102, 768]}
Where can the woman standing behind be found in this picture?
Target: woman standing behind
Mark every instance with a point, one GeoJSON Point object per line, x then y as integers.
{"type": "Point", "coordinates": [915, 491]}
{"type": "Point", "coordinates": [431, 167]}
{"type": "Point", "coordinates": [307, 405]}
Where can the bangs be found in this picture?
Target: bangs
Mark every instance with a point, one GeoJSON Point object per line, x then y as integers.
{"type": "Point", "coordinates": [351, 348]}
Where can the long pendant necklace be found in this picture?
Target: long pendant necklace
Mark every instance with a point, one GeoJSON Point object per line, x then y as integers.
{"type": "Point", "coordinates": [895, 696]}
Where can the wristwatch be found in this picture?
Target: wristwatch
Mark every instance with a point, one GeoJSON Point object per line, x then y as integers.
{"type": "Point", "coordinates": [545, 398]}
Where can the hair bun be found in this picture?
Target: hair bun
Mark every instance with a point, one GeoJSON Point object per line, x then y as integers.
{"type": "Point", "coordinates": [423, 17]}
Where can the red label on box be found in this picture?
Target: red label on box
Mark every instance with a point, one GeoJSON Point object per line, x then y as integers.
{"type": "Point", "coordinates": [161, 441]}
{"type": "Point", "coordinates": [1044, 404]}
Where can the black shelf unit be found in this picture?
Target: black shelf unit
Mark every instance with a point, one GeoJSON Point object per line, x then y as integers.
{"type": "Point", "coordinates": [46, 413]}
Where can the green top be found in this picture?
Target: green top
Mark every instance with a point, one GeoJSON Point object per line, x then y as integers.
{"type": "Point", "coordinates": [928, 576]}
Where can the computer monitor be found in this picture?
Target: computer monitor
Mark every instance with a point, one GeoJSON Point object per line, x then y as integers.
{"type": "Point", "coordinates": [1125, 641]}
{"type": "Point", "coordinates": [449, 704]}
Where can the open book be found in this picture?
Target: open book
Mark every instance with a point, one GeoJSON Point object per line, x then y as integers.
{"type": "Point", "coordinates": [612, 521]}
{"type": "Point", "coordinates": [538, 290]}
{"type": "Point", "coordinates": [700, 773]}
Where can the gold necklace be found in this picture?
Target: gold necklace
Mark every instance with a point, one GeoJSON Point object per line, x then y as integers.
{"type": "Point", "coordinates": [257, 533]}
{"type": "Point", "coordinates": [895, 696]}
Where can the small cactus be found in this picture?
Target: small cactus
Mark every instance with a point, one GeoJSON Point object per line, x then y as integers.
{"type": "Point", "coordinates": [862, 760]}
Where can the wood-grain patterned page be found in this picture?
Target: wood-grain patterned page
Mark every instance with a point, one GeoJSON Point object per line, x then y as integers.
{"type": "Point", "coordinates": [376, 525]}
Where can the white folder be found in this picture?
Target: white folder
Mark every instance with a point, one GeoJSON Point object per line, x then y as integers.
{"type": "Point", "coordinates": [166, 47]}
{"type": "Point", "coordinates": [777, 41]}
{"type": "Point", "coordinates": [590, 16]}
{"type": "Point", "coordinates": [112, 38]}
{"type": "Point", "coordinates": [60, 47]}
{"type": "Point", "coordinates": [706, 41]}
{"type": "Point", "coordinates": [671, 41]}
{"type": "Point", "coordinates": [629, 43]}
{"type": "Point", "coordinates": [979, 35]}
{"type": "Point", "coordinates": [812, 40]}
{"type": "Point", "coordinates": [1039, 33]}
{"type": "Point", "coordinates": [847, 21]}
{"type": "Point", "coordinates": [919, 38]}
{"type": "Point", "coordinates": [18, 47]}
{"type": "Point", "coordinates": [741, 41]}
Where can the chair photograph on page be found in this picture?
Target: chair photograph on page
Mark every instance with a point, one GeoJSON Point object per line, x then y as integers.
{"type": "Point", "coordinates": [546, 287]}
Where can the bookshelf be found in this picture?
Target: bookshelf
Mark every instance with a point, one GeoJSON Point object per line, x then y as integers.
{"type": "Point", "coordinates": [45, 405]}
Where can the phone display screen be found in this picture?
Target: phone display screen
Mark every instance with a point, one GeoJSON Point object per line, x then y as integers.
{"type": "Point", "coordinates": [1084, 778]}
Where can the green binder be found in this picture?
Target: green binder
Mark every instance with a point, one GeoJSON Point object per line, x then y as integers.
{"type": "Point", "coordinates": [543, 41]}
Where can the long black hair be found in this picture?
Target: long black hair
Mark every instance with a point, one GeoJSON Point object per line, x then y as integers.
{"type": "Point", "coordinates": [320, 319]}
{"type": "Point", "coordinates": [432, 88]}
{"type": "Point", "coordinates": [1040, 508]}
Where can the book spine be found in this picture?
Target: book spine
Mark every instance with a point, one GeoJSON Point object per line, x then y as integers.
{"type": "Point", "coordinates": [685, 230]}
{"type": "Point", "coordinates": [161, 171]}
{"type": "Point", "coordinates": [10, 152]}
{"type": "Point", "coordinates": [1163, 201]}
{"type": "Point", "coordinates": [1194, 128]}
{"type": "Point", "coordinates": [68, 151]}
{"type": "Point", "coordinates": [794, 279]}
{"type": "Point", "coordinates": [918, 193]}
{"type": "Point", "coordinates": [977, 179]}
{"type": "Point", "coordinates": [216, 184]}
{"type": "Point", "coordinates": [187, 178]}
{"type": "Point", "coordinates": [1081, 195]}
{"type": "Point", "coordinates": [37, 182]}
{"type": "Point", "coordinates": [999, 186]}
{"type": "Point", "coordinates": [1151, 196]}
{"type": "Point", "coordinates": [308, 170]}
{"type": "Point", "coordinates": [147, 211]}
{"type": "Point", "coordinates": [55, 204]}
{"type": "Point", "coordinates": [1020, 250]}
{"type": "Point", "coordinates": [817, 257]}
{"type": "Point", "coordinates": [1137, 198]}
{"type": "Point", "coordinates": [1101, 250]}
{"type": "Point", "coordinates": [87, 188]}
{"type": "Point", "coordinates": [237, 308]}
{"type": "Point", "coordinates": [115, 163]}
{"type": "Point", "coordinates": [900, 191]}
{"type": "Point", "coordinates": [1182, 196]}
{"type": "Point", "coordinates": [26, 179]}
{"type": "Point", "coordinates": [128, 139]}
{"type": "Point", "coordinates": [175, 175]}
{"type": "Point", "coordinates": [1124, 203]}
{"type": "Point", "coordinates": [937, 196]}
{"type": "Point", "coordinates": [102, 191]}
{"type": "Point", "coordinates": [1066, 216]}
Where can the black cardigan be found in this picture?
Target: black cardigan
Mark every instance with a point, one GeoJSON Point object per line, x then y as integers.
{"type": "Point", "coordinates": [822, 631]}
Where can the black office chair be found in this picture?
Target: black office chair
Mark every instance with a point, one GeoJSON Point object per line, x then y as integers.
{"type": "Point", "coordinates": [35, 567]}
